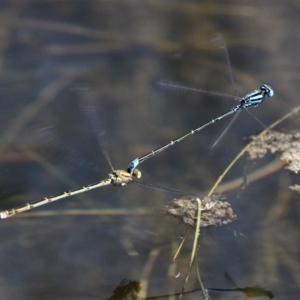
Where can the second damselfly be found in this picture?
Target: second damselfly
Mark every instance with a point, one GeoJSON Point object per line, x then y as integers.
{"type": "Point", "coordinates": [250, 100]}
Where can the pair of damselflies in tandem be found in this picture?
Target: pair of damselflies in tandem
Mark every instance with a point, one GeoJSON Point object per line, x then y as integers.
{"type": "Point", "coordinates": [124, 177]}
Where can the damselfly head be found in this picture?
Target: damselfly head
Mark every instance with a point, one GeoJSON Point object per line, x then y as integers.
{"type": "Point", "coordinates": [136, 173]}
{"type": "Point", "coordinates": [267, 90]}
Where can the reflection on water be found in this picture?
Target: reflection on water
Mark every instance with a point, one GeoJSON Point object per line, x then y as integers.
{"type": "Point", "coordinates": [117, 51]}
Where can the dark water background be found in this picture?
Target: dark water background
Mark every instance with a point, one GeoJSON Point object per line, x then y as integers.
{"type": "Point", "coordinates": [52, 52]}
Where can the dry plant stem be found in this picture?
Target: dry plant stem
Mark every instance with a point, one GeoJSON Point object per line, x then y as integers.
{"type": "Point", "coordinates": [204, 290]}
{"type": "Point", "coordinates": [44, 98]}
{"type": "Point", "coordinates": [266, 170]}
{"type": "Point", "coordinates": [62, 27]}
{"type": "Point", "coordinates": [291, 261]}
{"type": "Point", "coordinates": [197, 234]}
{"type": "Point", "coordinates": [293, 112]}
{"type": "Point", "coordinates": [180, 246]}
{"type": "Point", "coordinates": [147, 270]}
{"type": "Point", "coordinates": [56, 172]}
{"type": "Point", "coordinates": [86, 212]}
{"type": "Point", "coordinates": [274, 261]}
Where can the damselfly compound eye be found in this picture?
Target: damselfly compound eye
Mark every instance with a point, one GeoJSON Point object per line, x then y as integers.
{"type": "Point", "coordinates": [267, 89]}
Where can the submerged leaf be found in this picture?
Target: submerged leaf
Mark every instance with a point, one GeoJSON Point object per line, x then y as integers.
{"type": "Point", "coordinates": [215, 210]}
{"type": "Point", "coordinates": [287, 144]}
